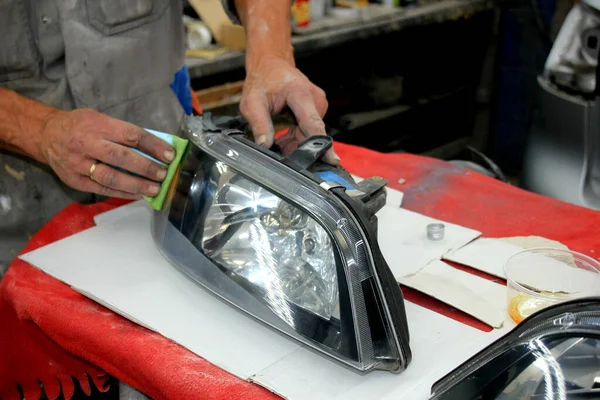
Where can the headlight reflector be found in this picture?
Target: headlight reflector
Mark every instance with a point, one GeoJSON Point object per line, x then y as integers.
{"type": "Point", "coordinates": [260, 238]}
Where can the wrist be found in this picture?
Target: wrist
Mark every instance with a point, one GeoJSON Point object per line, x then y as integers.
{"type": "Point", "coordinates": [49, 121]}
{"type": "Point", "coordinates": [257, 62]}
{"type": "Point", "coordinates": [22, 122]}
{"type": "Point", "coordinates": [268, 31]}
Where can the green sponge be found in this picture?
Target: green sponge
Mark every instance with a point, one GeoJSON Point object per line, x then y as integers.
{"type": "Point", "coordinates": [179, 145]}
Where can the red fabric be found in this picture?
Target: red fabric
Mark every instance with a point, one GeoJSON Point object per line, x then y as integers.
{"type": "Point", "coordinates": [48, 332]}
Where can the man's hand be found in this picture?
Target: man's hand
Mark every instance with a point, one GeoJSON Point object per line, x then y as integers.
{"type": "Point", "coordinates": [272, 80]}
{"type": "Point", "coordinates": [73, 141]}
{"type": "Point", "coordinates": [272, 85]}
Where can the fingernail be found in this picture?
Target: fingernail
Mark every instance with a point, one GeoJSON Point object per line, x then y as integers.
{"type": "Point", "coordinates": [161, 174]}
{"type": "Point", "coordinates": [332, 158]}
{"type": "Point", "coordinates": [261, 140]}
{"type": "Point", "coordinates": [153, 190]}
{"type": "Point", "coordinates": [169, 155]}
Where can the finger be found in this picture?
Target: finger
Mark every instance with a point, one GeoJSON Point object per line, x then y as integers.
{"type": "Point", "coordinates": [303, 105]}
{"type": "Point", "coordinates": [138, 138]}
{"type": "Point", "coordinates": [120, 181]}
{"type": "Point", "coordinates": [289, 142]}
{"type": "Point", "coordinates": [322, 105]}
{"type": "Point", "coordinates": [320, 98]}
{"type": "Point", "coordinates": [127, 159]}
{"type": "Point", "coordinates": [331, 157]}
{"type": "Point", "coordinates": [86, 184]}
{"type": "Point", "coordinates": [255, 109]}
{"type": "Point", "coordinates": [310, 121]}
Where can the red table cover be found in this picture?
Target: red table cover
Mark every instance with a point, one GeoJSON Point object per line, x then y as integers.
{"type": "Point", "coordinates": [49, 333]}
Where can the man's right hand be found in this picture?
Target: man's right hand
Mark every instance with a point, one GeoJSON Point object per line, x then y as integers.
{"type": "Point", "coordinates": [73, 141]}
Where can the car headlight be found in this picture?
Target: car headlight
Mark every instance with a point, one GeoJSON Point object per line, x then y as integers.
{"type": "Point", "coordinates": [288, 240]}
{"type": "Point", "coordinates": [552, 355]}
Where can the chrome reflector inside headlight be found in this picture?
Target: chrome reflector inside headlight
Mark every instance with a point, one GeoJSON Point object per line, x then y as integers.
{"type": "Point", "coordinates": [288, 240]}
{"type": "Point", "coordinates": [552, 355]}
{"type": "Point", "coordinates": [264, 241]}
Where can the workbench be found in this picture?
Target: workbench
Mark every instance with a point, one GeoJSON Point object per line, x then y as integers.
{"type": "Point", "coordinates": [51, 333]}
{"type": "Point", "coordinates": [431, 12]}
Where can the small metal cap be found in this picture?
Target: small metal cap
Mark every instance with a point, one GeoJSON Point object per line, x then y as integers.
{"type": "Point", "coordinates": [435, 231]}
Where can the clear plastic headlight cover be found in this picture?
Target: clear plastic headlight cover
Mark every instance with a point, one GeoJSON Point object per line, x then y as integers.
{"type": "Point", "coordinates": [264, 241]}
{"type": "Point", "coordinates": [272, 239]}
{"type": "Point", "coordinates": [552, 355]}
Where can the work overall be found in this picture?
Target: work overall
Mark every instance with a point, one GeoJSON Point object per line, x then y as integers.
{"type": "Point", "coordinates": [118, 57]}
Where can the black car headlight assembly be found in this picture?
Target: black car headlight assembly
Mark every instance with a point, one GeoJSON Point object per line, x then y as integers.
{"type": "Point", "coordinates": [288, 240]}
{"type": "Point", "coordinates": [552, 355]}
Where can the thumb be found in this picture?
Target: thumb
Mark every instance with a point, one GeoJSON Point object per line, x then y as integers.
{"type": "Point", "coordinates": [256, 110]}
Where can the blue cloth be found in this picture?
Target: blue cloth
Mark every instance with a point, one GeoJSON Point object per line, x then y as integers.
{"type": "Point", "coordinates": [181, 86]}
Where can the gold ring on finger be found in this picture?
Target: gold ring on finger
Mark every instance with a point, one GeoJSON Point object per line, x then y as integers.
{"type": "Point", "coordinates": [92, 169]}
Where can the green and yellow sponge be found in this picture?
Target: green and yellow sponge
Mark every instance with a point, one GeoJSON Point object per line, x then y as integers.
{"type": "Point", "coordinates": [179, 145]}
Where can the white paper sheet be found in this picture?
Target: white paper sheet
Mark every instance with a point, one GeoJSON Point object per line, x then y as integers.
{"type": "Point", "coordinates": [483, 299]}
{"type": "Point", "coordinates": [119, 265]}
{"type": "Point", "coordinates": [485, 254]}
{"type": "Point", "coordinates": [433, 337]}
{"type": "Point", "coordinates": [122, 212]}
{"type": "Point", "coordinates": [402, 236]}
{"type": "Point", "coordinates": [139, 283]}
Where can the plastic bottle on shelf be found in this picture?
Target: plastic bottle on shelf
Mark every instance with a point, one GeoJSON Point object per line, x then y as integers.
{"type": "Point", "coordinates": [301, 13]}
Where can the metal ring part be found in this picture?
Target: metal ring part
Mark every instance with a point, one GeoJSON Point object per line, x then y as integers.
{"type": "Point", "coordinates": [435, 231]}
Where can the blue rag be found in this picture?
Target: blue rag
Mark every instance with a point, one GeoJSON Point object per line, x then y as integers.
{"type": "Point", "coordinates": [182, 88]}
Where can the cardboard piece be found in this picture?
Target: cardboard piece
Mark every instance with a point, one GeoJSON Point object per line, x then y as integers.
{"type": "Point", "coordinates": [105, 218]}
{"type": "Point", "coordinates": [138, 283]}
{"type": "Point", "coordinates": [485, 254]}
{"type": "Point", "coordinates": [483, 299]}
{"type": "Point", "coordinates": [225, 32]}
{"type": "Point", "coordinates": [439, 344]}
{"type": "Point", "coordinates": [403, 240]}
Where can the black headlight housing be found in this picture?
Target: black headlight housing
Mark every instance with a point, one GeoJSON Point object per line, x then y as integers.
{"type": "Point", "coordinates": [290, 240]}
{"type": "Point", "coordinates": [553, 354]}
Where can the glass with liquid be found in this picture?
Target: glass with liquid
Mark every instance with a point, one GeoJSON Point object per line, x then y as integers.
{"type": "Point", "coordinates": [541, 277]}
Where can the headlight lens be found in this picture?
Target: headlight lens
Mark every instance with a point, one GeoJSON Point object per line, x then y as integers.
{"type": "Point", "coordinates": [554, 354]}
{"type": "Point", "coordinates": [265, 241]}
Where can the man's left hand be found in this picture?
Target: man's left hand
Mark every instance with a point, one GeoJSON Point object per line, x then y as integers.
{"type": "Point", "coordinates": [271, 86]}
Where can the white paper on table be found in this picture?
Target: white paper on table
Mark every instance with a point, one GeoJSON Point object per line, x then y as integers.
{"type": "Point", "coordinates": [485, 254]}
{"type": "Point", "coordinates": [402, 237]}
{"type": "Point", "coordinates": [122, 212]}
{"type": "Point", "coordinates": [529, 242]}
{"type": "Point", "coordinates": [476, 296]}
{"type": "Point", "coordinates": [394, 198]}
{"type": "Point", "coordinates": [439, 345]}
{"type": "Point", "coordinates": [137, 282]}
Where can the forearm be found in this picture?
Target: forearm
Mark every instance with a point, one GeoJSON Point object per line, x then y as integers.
{"type": "Point", "coordinates": [22, 123]}
{"type": "Point", "coordinates": [268, 30]}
